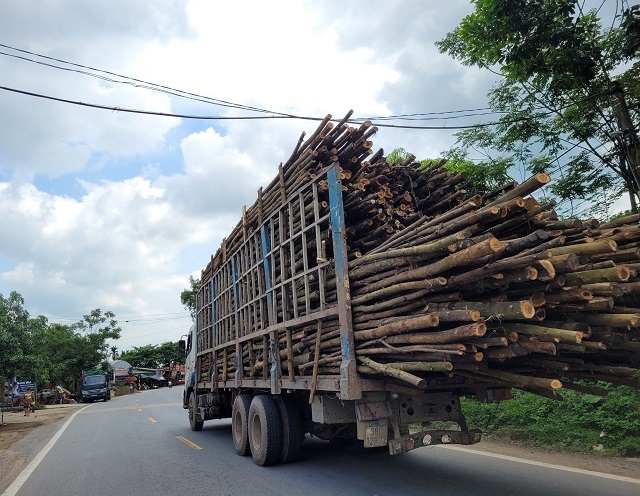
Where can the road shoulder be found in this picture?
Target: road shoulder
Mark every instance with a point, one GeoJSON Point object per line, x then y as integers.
{"type": "Point", "coordinates": [625, 467]}
{"type": "Point", "coordinates": [22, 438]}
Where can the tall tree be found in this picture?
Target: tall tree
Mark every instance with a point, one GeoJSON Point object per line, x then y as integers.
{"type": "Point", "coordinates": [188, 296]}
{"type": "Point", "coordinates": [34, 349]}
{"type": "Point", "coordinates": [68, 350]}
{"type": "Point", "coordinates": [153, 356]}
{"type": "Point", "coordinates": [17, 329]}
{"type": "Point", "coordinates": [556, 64]}
{"type": "Point", "coordinates": [97, 328]}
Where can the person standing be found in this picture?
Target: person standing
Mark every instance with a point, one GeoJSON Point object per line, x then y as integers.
{"type": "Point", "coordinates": [131, 387]}
{"type": "Point", "coordinates": [27, 399]}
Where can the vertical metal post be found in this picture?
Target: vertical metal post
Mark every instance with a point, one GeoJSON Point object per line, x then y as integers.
{"type": "Point", "coordinates": [266, 263]}
{"type": "Point", "coordinates": [350, 387]}
{"type": "Point", "coordinates": [214, 337]}
{"type": "Point", "coordinates": [273, 351]}
{"type": "Point", "coordinates": [238, 319]}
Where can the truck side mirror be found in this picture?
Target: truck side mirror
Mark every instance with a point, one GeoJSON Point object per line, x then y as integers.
{"type": "Point", "coordinates": [182, 347]}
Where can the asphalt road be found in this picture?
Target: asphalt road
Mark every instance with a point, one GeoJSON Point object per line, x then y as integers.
{"type": "Point", "coordinates": [141, 445]}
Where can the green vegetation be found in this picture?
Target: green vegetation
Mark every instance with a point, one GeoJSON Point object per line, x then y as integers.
{"type": "Point", "coordinates": [556, 62]}
{"type": "Point", "coordinates": [152, 356]}
{"type": "Point", "coordinates": [188, 296]}
{"type": "Point", "coordinates": [32, 348]}
{"type": "Point", "coordinates": [580, 423]}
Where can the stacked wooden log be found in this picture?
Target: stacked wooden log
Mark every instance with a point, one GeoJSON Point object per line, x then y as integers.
{"type": "Point", "coordinates": [491, 289]}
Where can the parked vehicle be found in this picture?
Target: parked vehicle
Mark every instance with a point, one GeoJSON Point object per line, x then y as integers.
{"type": "Point", "coordinates": [255, 307]}
{"type": "Point", "coordinates": [95, 386]}
{"type": "Point", "coordinates": [46, 396]}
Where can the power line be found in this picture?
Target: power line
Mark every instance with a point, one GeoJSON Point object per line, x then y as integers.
{"type": "Point", "coordinates": [224, 118]}
{"type": "Point", "coordinates": [196, 97]}
{"type": "Point", "coordinates": [224, 103]}
{"type": "Point", "coordinates": [145, 84]}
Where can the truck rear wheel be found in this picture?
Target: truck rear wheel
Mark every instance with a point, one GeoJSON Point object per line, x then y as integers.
{"type": "Point", "coordinates": [239, 423]}
{"type": "Point", "coordinates": [291, 429]}
{"type": "Point", "coordinates": [196, 425]}
{"type": "Point", "coordinates": [265, 430]}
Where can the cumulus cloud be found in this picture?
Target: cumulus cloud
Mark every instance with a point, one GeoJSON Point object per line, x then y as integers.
{"type": "Point", "coordinates": [146, 200]}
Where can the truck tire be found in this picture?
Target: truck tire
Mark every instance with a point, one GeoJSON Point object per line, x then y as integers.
{"type": "Point", "coordinates": [239, 424]}
{"type": "Point", "coordinates": [265, 430]}
{"type": "Point", "coordinates": [292, 434]}
{"type": "Point", "coordinates": [196, 425]}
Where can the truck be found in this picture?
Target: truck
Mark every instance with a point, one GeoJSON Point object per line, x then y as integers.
{"type": "Point", "coordinates": [287, 283]}
{"type": "Point", "coordinates": [94, 386]}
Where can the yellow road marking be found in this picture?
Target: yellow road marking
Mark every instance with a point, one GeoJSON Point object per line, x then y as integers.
{"type": "Point", "coordinates": [152, 420]}
{"type": "Point", "coordinates": [189, 443]}
{"type": "Point", "coordinates": [117, 409]}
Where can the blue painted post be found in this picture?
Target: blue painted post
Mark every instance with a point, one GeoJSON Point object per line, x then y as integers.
{"type": "Point", "coordinates": [275, 370]}
{"type": "Point", "coordinates": [214, 340]}
{"type": "Point", "coordinates": [350, 387]}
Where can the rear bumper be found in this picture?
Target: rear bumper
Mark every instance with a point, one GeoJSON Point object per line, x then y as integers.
{"type": "Point", "coordinates": [431, 438]}
{"type": "Point", "coordinates": [94, 396]}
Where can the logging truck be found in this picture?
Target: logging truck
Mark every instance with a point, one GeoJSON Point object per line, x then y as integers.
{"type": "Point", "coordinates": [273, 346]}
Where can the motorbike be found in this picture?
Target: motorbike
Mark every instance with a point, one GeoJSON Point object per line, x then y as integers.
{"type": "Point", "coordinates": [170, 384]}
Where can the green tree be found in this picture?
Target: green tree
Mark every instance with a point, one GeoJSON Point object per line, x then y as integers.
{"type": "Point", "coordinates": [482, 176]}
{"type": "Point", "coordinates": [188, 296]}
{"type": "Point", "coordinates": [34, 349]}
{"type": "Point", "coordinates": [153, 356]}
{"type": "Point", "coordinates": [168, 354]}
{"type": "Point", "coordinates": [68, 350]}
{"type": "Point", "coordinates": [17, 329]}
{"type": "Point", "coordinates": [556, 63]}
{"type": "Point", "coordinates": [62, 351]}
{"type": "Point", "coordinates": [97, 328]}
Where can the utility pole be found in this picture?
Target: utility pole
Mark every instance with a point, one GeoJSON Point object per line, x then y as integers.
{"type": "Point", "coordinates": [629, 138]}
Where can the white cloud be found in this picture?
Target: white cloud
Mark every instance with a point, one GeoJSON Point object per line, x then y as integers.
{"type": "Point", "coordinates": [153, 197]}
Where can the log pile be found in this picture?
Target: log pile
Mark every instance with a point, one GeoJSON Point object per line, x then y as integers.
{"type": "Point", "coordinates": [491, 289]}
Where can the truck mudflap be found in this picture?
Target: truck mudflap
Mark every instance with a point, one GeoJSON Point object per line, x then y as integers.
{"type": "Point", "coordinates": [431, 438]}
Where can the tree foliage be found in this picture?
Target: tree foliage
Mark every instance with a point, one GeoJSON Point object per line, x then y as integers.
{"type": "Point", "coordinates": [153, 356]}
{"type": "Point", "coordinates": [188, 296]}
{"type": "Point", "coordinates": [556, 63]}
{"type": "Point", "coordinates": [35, 349]}
{"type": "Point", "coordinates": [482, 176]}
{"type": "Point", "coordinates": [17, 333]}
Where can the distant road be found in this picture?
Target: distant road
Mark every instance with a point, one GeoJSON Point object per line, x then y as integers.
{"type": "Point", "coordinates": [141, 445]}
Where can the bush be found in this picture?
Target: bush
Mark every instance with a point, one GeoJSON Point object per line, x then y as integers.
{"type": "Point", "coordinates": [579, 423]}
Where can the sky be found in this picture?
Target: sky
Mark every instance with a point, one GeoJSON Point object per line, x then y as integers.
{"type": "Point", "coordinates": [114, 210]}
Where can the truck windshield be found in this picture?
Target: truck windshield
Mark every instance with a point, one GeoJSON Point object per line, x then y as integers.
{"type": "Point", "coordinates": [93, 380]}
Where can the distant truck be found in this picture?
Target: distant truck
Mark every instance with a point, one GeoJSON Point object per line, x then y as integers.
{"type": "Point", "coordinates": [95, 386]}
{"type": "Point", "coordinates": [254, 307]}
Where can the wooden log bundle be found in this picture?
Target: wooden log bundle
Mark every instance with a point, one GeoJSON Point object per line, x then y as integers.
{"type": "Point", "coordinates": [448, 289]}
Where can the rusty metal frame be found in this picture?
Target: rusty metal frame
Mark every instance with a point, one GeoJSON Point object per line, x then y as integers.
{"type": "Point", "coordinates": [249, 293]}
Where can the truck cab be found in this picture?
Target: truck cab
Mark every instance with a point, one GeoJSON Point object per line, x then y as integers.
{"type": "Point", "coordinates": [187, 349]}
{"type": "Point", "coordinates": [95, 387]}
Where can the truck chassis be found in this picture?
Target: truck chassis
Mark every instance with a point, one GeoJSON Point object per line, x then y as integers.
{"type": "Point", "coordinates": [288, 277]}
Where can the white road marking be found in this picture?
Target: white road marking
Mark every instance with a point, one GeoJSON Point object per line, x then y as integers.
{"type": "Point", "coordinates": [24, 475]}
{"type": "Point", "coordinates": [542, 464]}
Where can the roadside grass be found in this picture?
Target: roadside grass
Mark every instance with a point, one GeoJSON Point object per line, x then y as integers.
{"type": "Point", "coordinates": [580, 423]}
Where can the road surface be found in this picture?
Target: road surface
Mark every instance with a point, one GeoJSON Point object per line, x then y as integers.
{"type": "Point", "coordinates": [141, 445]}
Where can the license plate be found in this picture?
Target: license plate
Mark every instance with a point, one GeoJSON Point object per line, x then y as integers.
{"type": "Point", "coordinates": [375, 436]}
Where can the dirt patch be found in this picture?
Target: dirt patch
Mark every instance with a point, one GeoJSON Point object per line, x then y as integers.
{"type": "Point", "coordinates": [17, 426]}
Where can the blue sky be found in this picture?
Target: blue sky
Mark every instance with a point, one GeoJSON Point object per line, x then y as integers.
{"type": "Point", "coordinates": [104, 209]}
